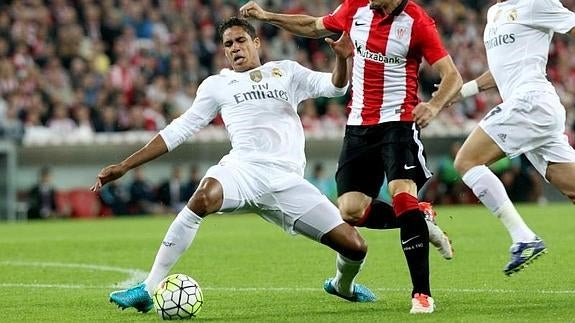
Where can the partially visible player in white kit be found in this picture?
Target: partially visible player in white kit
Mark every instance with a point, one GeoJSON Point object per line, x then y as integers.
{"type": "Point", "coordinates": [263, 173]}
{"type": "Point", "coordinates": [530, 121]}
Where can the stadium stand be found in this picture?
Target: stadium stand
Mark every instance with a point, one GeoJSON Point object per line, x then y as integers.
{"type": "Point", "coordinates": [79, 72]}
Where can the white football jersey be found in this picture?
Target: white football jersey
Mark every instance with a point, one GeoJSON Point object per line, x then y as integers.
{"type": "Point", "coordinates": [259, 110]}
{"type": "Point", "coordinates": [517, 38]}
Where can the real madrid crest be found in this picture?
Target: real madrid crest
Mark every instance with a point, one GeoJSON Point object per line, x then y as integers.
{"type": "Point", "coordinates": [512, 15]}
{"type": "Point", "coordinates": [256, 76]}
{"type": "Point", "coordinates": [276, 72]}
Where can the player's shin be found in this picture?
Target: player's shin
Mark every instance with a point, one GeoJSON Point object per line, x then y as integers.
{"type": "Point", "coordinates": [179, 237]}
{"type": "Point", "coordinates": [414, 241]}
{"type": "Point", "coordinates": [491, 192]}
{"type": "Point", "coordinates": [346, 271]}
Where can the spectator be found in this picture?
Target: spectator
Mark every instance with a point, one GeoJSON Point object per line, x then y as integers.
{"type": "Point", "coordinates": [142, 195]}
{"type": "Point", "coordinates": [115, 198]}
{"type": "Point", "coordinates": [193, 181]}
{"type": "Point", "coordinates": [42, 197]}
{"type": "Point", "coordinates": [172, 192]}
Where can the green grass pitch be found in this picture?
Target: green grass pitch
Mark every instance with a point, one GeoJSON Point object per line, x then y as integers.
{"type": "Point", "coordinates": [252, 271]}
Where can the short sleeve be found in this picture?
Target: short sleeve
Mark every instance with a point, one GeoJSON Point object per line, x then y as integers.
{"type": "Point", "coordinates": [337, 20]}
{"type": "Point", "coordinates": [429, 42]}
{"type": "Point", "coordinates": [551, 14]}
{"type": "Point", "coordinates": [311, 84]}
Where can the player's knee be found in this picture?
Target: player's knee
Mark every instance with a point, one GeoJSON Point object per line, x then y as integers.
{"type": "Point", "coordinates": [351, 212]}
{"type": "Point", "coordinates": [202, 203]}
{"type": "Point", "coordinates": [357, 248]}
{"type": "Point", "coordinates": [571, 195]}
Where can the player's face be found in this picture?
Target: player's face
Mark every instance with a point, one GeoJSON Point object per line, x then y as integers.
{"type": "Point", "coordinates": [240, 49]}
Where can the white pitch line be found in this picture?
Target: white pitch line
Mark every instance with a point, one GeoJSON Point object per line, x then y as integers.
{"type": "Point", "coordinates": [136, 275]}
{"type": "Point", "coordinates": [298, 289]}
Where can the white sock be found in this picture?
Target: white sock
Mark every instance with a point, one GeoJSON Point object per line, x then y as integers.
{"type": "Point", "coordinates": [491, 192]}
{"type": "Point", "coordinates": [177, 240]}
{"type": "Point", "coordinates": [347, 270]}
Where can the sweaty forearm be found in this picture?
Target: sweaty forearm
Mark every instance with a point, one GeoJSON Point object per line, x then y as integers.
{"type": "Point", "coordinates": [339, 74]}
{"type": "Point", "coordinates": [301, 25]}
{"type": "Point", "coordinates": [152, 150]}
{"type": "Point", "coordinates": [448, 89]}
{"type": "Point", "coordinates": [485, 81]}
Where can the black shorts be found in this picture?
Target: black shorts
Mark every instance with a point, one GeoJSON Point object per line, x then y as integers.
{"type": "Point", "coordinates": [371, 153]}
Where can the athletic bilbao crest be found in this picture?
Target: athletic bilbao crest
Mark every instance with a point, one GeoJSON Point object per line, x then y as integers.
{"type": "Point", "coordinates": [256, 76]}
{"type": "Point", "coordinates": [400, 32]}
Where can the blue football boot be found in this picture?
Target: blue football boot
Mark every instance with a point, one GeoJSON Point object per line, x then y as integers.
{"type": "Point", "coordinates": [523, 253]}
{"type": "Point", "coordinates": [361, 294]}
{"type": "Point", "coordinates": [136, 297]}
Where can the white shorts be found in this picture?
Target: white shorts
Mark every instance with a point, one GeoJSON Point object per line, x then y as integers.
{"type": "Point", "coordinates": [534, 125]}
{"type": "Point", "coordinates": [277, 195]}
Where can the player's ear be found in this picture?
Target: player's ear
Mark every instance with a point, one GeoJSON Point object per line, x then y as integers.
{"type": "Point", "coordinates": [257, 42]}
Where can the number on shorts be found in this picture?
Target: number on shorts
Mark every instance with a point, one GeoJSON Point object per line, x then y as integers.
{"type": "Point", "coordinates": [493, 112]}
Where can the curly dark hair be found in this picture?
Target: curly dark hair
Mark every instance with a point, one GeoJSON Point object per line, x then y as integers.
{"type": "Point", "coordinates": [235, 21]}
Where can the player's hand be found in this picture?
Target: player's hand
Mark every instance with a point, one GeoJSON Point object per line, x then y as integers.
{"type": "Point", "coordinates": [252, 10]}
{"type": "Point", "coordinates": [424, 112]}
{"type": "Point", "coordinates": [343, 47]}
{"type": "Point", "coordinates": [108, 174]}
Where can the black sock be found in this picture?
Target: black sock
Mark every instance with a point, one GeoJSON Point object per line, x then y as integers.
{"type": "Point", "coordinates": [415, 245]}
{"type": "Point", "coordinates": [380, 215]}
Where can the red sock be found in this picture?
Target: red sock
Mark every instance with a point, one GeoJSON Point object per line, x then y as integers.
{"type": "Point", "coordinates": [404, 202]}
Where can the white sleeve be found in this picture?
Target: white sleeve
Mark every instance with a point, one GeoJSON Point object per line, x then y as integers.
{"type": "Point", "coordinates": [553, 15]}
{"type": "Point", "coordinates": [311, 84]}
{"type": "Point", "coordinates": [203, 110]}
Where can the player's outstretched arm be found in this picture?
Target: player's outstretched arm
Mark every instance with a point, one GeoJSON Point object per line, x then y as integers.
{"type": "Point", "coordinates": [153, 149]}
{"type": "Point", "coordinates": [343, 49]}
{"type": "Point", "coordinates": [447, 91]}
{"type": "Point", "coordinates": [484, 82]}
{"type": "Point", "coordinates": [301, 25]}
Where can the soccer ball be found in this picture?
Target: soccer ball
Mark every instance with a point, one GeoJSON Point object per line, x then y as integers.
{"type": "Point", "coordinates": [178, 297]}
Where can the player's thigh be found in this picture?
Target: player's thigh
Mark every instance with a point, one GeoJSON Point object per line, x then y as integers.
{"type": "Point", "coordinates": [360, 162]}
{"type": "Point", "coordinates": [562, 176]}
{"type": "Point", "coordinates": [555, 161]}
{"type": "Point", "coordinates": [318, 221]}
{"type": "Point", "coordinates": [404, 156]}
{"type": "Point", "coordinates": [291, 198]}
{"type": "Point", "coordinates": [226, 175]}
{"type": "Point", "coordinates": [478, 149]}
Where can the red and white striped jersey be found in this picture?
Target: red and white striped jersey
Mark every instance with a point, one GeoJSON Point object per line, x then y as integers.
{"type": "Point", "coordinates": [388, 52]}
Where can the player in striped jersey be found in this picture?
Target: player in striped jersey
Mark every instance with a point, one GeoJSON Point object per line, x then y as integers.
{"type": "Point", "coordinates": [391, 38]}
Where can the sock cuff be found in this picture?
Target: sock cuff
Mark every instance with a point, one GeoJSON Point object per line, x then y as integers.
{"type": "Point", "coordinates": [404, 202]}
{"type": "Point", "coordinates": [341, 258]}
{"type": "Point", "coordinates": [189, 216]}
{"type": "Point", "coordinates": [474, 173]}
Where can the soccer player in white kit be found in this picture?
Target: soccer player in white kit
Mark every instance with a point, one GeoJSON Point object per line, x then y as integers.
{"type": "Point", "coordinates": [530, 121]}
{"type": "Point", "coordinates": [263, 172]}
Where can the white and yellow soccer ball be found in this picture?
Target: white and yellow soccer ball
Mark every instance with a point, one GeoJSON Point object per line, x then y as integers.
{"type": "Point", "coordinates": [178, 297]}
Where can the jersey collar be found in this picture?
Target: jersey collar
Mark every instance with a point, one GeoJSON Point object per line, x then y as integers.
{"type": "Point", "coordinates": [399, 8]}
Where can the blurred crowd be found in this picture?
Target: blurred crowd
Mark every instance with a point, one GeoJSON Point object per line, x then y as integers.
{"type": "Point", "coordinates": [73, 68]}
{"type": "Point", "coordinates": [85, 66]}
{"type": "Point", "coordinates": [137, 195]}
